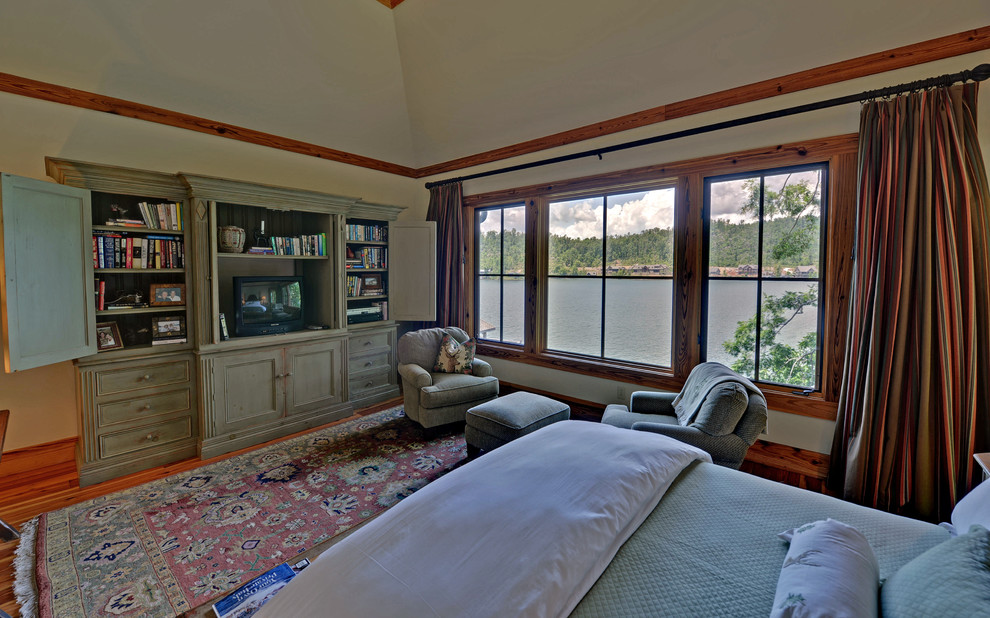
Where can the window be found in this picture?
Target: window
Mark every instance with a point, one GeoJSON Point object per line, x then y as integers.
{"type": "Point", "coordinates": [639, 275]}
{"type": "Point", "coordinates": [765, 247]}
{"type": "Point", "coordinates": [501, 251]}
{"type": "Point", "coordinates": [610, 276]}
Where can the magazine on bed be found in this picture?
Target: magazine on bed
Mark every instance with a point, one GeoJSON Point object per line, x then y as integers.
{"type": "Point", "coordinates": [249, 598]}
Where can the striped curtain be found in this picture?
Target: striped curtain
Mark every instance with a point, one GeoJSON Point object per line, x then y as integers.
{"type": "Point", "coordinates": [445, 208]}
{"type": "Point", "coordinates": [914, 404]}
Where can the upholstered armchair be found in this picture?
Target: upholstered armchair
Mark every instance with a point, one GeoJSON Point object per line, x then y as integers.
{"type": "Point", "coordinates": [432, 397]}
{"type": "Point", "coordinates": [717, 410]}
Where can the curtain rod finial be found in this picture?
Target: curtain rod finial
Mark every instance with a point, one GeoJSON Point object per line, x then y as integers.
{"type": "Point", "coordinates": [980, 73]}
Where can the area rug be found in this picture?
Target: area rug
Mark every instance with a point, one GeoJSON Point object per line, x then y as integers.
{"type": "Point", "coordinates": [170, 545]}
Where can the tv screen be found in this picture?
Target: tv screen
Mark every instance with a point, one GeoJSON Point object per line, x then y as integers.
{"type": "Point", "coordinates": [267, 305]}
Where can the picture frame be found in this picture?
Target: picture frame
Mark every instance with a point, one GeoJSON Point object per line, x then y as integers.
{"type": "Point", "coordinates": [371, 285]}
{"type": "Point", "coordinates": [167, 294]}
{"type": "Point", "coordinates": [168, 329]}
{"type": "Point", "coordinates": [108, 336]}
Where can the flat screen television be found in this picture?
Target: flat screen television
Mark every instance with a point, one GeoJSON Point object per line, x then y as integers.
{"type": "Point", "coordinates": [268, 305]}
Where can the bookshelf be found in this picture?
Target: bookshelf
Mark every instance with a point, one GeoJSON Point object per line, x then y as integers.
{"type": "Point", "coordinates": [366, 270]}
{"type": "Point", "coordinates": [139, 247]}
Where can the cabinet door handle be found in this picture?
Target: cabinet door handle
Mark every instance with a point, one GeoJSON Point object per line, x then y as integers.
{"type": "Point", "coordinates": [278, 376]}
{"type": "Point", "coordinates": [288, 374]}
{"type": "Point", "coordinates": [151, 437]}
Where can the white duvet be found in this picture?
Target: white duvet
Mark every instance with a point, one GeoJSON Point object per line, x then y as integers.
{"type": "Point", "coordinates": [522, 531]}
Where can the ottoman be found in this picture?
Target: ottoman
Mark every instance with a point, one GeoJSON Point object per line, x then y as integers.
{"type": "Point", "coordinates": [501, 420]}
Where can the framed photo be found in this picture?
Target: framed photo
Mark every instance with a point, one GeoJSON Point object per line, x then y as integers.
{"type": "Point", "coordinates": [164, 294]}
{"type": "Point", "coordinates": [371, 285]}
{"type": "Point", "coordinates": [168, 329]}
{"type": "Point", "coordinates": [108, 336]}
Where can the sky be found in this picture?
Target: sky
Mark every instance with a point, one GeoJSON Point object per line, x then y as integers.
{"type": "Point", "coordinates": [634, 212]}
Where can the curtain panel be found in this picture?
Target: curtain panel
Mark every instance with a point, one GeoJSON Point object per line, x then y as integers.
{"type": "Point", "coordinates": [914, 403]}
{"type": "Point", "coordinates": [446, 209]}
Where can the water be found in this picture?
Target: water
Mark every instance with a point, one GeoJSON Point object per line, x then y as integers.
{"type": "Point", "coordinates": [639, 315]}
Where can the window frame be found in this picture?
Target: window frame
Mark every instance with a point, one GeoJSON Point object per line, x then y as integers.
{"type": "Point", "coordinates": [760, 278]}
{"type": "Point", "coordinates": [690, 267]}
{"type": "Point", "coordinates": [476, 272]}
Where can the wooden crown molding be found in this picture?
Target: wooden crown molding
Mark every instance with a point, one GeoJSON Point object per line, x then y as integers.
{"type": "Point", "coordinates": [909, 55]}
{"type": "Point", "coordinates": [391, 3]}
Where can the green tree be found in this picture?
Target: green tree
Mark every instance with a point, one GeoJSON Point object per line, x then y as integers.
{"type": "Point", "coordinates": [792, 216]}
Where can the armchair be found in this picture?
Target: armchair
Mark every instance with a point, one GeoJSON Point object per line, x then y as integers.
{"type": "Point", "coordinates": [433, 398]}
{"type": "Point", "coordinates": [717, 410]}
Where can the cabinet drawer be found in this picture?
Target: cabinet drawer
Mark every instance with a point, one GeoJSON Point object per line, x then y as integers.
{"type": "Point", "coordinates": [112, 381]}
{"type": "Point", "coordinates": [147, 437]}
{"type": "Point", "coordinates": [142, 407]}
{"type": "Point", "coordinates": [370, 363]}
{"type": "Point", "coordinates": [368, 341]}
{"type": "Point", "coordinates": [369, 382]}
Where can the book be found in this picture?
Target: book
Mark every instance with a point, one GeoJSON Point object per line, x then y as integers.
{"type": "Point", "coordinates": [249, 598]}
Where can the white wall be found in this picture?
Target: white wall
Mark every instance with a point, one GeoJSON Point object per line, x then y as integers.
{"type": "Point", "coordinates": [482, 75]}
{"type": "Point", "coordinates": [42, 402]}
{"type": "Point", "coordinates": [794, 430]}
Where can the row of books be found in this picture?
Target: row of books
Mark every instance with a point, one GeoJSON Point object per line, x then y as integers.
{"type": "Point", "coordinates": [111, 250]}
{"type": "Point", "coordinates": [165, 216]}
{"type": "Point", "coordinates": [364, 286]}
{"type": "Point", "coordinates": [375, 233]}
{"type": "Point", "coordinates": [367, 257]}
{"type": "Point", "coordinates": [306, 244]}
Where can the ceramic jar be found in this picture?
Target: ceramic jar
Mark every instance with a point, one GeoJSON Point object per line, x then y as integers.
{"type": "Point", "coordinates": [231, 239]}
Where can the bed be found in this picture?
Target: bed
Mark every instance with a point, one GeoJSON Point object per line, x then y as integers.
{"type": "Point", "coordinates": [524, 531]}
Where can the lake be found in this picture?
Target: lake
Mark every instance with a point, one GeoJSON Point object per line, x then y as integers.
{"type": "Point", "coordinates": [639, 315]}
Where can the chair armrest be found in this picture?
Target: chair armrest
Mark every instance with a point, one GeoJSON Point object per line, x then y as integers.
{"type": "Point", "coordinates": [481, 368]}
{"type": "Point", "coordinates": [415, 375]}
{"type": "Point", "coordinates": [648, 402]}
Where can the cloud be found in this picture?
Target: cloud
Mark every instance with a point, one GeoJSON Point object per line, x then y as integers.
{"type": "Point", "coordinates": [627, 213]}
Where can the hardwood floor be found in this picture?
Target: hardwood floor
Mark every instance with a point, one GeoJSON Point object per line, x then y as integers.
{"type": "Point", "coordinates": [19, 504]}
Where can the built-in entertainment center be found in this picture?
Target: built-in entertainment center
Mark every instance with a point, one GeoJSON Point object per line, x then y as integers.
{"type": "Point", "coordinates": [243, 331]}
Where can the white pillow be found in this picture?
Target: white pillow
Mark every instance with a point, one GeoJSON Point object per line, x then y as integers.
{"type": "Point", "coordinates": [830, 570]}
{"type": "Point", "coordinates": [974, 508]}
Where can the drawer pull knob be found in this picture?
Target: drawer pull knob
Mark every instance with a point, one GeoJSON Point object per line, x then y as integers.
{"type": "Point", "coordinates": [146, 376]}
{"type": "Point", "coordinates": [367, 342]}
{"type": "Point", "coordinates": [279, 376]}
{"type": "Point", "coordinates": [147, 406]}
{"type": "Point", "coordinates": [152, 437]}
{"type": "Point", "coordinates": [368, 384]}
{"type": "Point", "coordinates": [288, 373]}
{"type": "Point", "coordinates": [369, 363]}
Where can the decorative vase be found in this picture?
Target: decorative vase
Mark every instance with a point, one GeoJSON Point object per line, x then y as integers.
{"type": "Point", "coordinates": [231, 239]}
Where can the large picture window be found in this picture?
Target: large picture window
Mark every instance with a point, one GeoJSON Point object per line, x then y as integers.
{"type": "Point", "coordinates": [637, 276]}
{"type": "Point", "coordinates": [765, 248]}
{"type": "Point", "coordinates": [501, 252]}
{"type": "Point", "coordinates": [610, 276]}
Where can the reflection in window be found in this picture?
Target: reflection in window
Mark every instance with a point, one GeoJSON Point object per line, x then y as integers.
{"type": "Point", "coordinates": [501, 251]}
{"type": "Point", "coordinates": [764, 273]}
{"type": "Point", "coordinates": [610, 269]}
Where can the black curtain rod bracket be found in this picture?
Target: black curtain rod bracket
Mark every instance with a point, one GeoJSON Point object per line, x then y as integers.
{"type": "Point", "coordinates": [977, 74]}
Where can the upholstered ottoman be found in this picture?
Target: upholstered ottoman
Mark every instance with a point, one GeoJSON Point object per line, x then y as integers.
{"type": "Point", "coordinates": [501, 420]}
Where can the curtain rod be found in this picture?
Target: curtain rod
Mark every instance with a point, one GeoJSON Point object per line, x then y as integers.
{"type": "Point", "coordinates": [977, 74]}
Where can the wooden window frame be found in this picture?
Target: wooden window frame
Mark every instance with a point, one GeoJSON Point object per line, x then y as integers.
{"type": "Point", "coordinates": [839, 152]}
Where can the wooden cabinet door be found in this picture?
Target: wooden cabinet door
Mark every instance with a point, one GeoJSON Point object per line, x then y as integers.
{"type": "Point", "coordinates": [48, 308]}
{"type": "Point", "coordinates": [314, 376]}
{"type": "Point", "coordinates": [248, 389]}
{"type": "Point", "coordinates": [412, 247]}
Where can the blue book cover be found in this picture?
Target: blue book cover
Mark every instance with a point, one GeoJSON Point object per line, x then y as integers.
{"type": "Point", "coordinates": [249, 598]}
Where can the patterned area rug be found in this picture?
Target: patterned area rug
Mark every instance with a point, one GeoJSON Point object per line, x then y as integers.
{"type": "Point", "coordinates": [170, 545]}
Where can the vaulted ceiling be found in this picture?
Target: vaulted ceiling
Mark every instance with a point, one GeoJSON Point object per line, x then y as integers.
{"type": "Point", "coordinates": [432, 80]}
